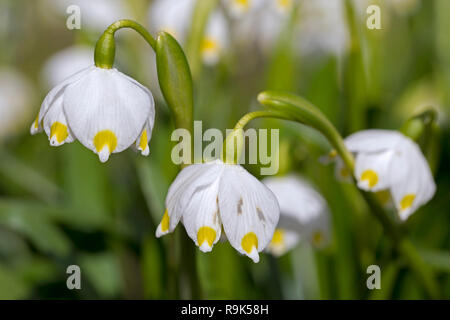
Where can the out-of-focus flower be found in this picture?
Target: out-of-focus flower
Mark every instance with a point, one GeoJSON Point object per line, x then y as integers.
{"type": "Point", "coordinates": [211, 195]}
{"type": "Point", "coordinates": [175, 17]}
{"type": "Point", "coordinates": [388, 160]}
{"type": "Point", "coordinates": [65, 63]}
{"type": "Point", "coordinates": [104, 109]}
{"type": "Point", "coordinates": [303, 214]}
{"type": "Point", "coordinates": [322, 27]}
{"type": "Point", "coordinates": [238, 8]}
{"type": "Point", "coordinates": [16, 95]}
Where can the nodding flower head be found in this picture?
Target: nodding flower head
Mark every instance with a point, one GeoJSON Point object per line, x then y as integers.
{"type": "Point", "coordinates": [209, 196]}
{"type": "Point", "coordinates": [104, 109]}
{"type": "Point", "coordinates": [388, 160]}
{"type": "Point", "coordinates": [303, 215]}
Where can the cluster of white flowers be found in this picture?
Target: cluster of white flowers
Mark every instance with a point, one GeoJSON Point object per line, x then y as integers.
{"type": "Point", "coordinates": [108, 112]}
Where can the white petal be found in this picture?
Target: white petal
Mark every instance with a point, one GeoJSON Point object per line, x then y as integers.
{"type": "Point", "coordinates": [201, 216]}
{"type": "Point", "coordinates": [302, 209]}
{"type": "Point", "coordinates": [59, 90]}
{"type": "Point", "coordinates": [188, 181]}
{"type": "Point", "coordinates": [55, 124]}
{"type": "Point", "coordinates": [106, 108]}
{"type": "Point", "coordinates": [417, 187]}
{"type": "Point", "coordinates": [373, 140]}
{"type": "Point", "coordinates": [248, 209]}
{"type": "Point", "coordinates": [67, 62]}
{"type": "Point", "coordinates": [283, 240]}
{"type": "Point", "coordinates": [216, 38]}
{"type": "Point", "coordinates": [172, 16]}
{"type": "Point", "coordinates": [146, 134]}
{"type": "Point", "coordinates": [372, 170]}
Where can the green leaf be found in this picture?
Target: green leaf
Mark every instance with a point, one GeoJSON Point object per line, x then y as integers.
{"type": "Point", "coordinates": [32, 222]}
{"type": "Point", "coordinates": [103, 272]}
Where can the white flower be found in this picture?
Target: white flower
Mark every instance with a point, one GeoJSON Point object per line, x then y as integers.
{"type": "Point", "coordinates": [322, 27]}
{"type": "Point", "coordinates": [303, 214]}
{"type": "Point", "coordinates": [104, 109]}
{"type": "Point", "coordinates": [172, 16]}
{"type": "Point", "coordinates": [65, 63]}
{"type": "Point", "coordinates": [175, 17]}
{"type": "Point", "coordinates": [238, 8]}
{"type": "Point", "coordinates": [388, 160]}
{"type": "Point", "coordinates": [16, 94]}
{"type": "Point", "coordinates": [211, 195]}
{"type": "Point", "coordinates": [216, 38]}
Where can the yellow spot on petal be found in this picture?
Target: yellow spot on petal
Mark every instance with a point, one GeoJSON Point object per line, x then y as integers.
{"type": "Point", "coordinates": [59, 131]}
{"type": "Point", "coordinates": [209, 44]}
{"type": "Point", "coordinates": [105, 138]}
{"type": "Point", "coordinates": [332, 154]}
{"type": "Point", "coordinates": [317, 238]}
{"type": "Point", "coordinates": [284, 3]}
{"type": "Point", "coordinates": [407, 201]}
{"type": "Point", "coordinates": [36, 122]}
{"type": "Point", "coordinates": [206, 234]}
{"type": "Point", "coordinates": [249, 241]}
{"type": "Point", "coordinates": [371, 177]}
{"type": "Point", "coordinates": [143, 140]}
{"type": "Point", "coordinates": [165, 222]}
{"type": "Point", "coordinates": [242, 3]}
{"type": "Point", "coordinates": [278, 238]}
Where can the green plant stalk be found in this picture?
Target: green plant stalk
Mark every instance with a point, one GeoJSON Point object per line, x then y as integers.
{"type": "Point", "coordinates": [288, 104]}
{"type": "Point", "coordinates": [105, 48]}
{"type": "Point", "coordinates": [306, 113]}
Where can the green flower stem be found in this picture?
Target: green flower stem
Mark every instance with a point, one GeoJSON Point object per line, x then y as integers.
{"type": "Point", "coordinates": [297, 109]}
{"type": "Point", "coordinates": [302, 111]}
{"type": "Point", "coordinates": [234, 142]}
{"type": "Point", "coordinates": [105, 49]}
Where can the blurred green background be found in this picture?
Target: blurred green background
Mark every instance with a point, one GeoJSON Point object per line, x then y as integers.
{"type": "Point", "coordinates": [61, 206]}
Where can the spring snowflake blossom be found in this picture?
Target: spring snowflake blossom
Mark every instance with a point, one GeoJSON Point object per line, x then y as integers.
{"type": "Point", "coordinates": [388, 160]}
{"type": "Point", "coordinates": [303, 214]}
{"type": "Point", "coordinates": [104, 109]}
{"type": "Point", "coordinates": [207, 196]}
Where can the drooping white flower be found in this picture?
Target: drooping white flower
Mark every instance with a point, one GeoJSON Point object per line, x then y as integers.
{"type": "Point", "coordinates": [16, 94]}
{"type": "Point", "coordinates": [388, 160]}
{"type": "Point", "coordinates": [303, 214]}
{"type": "Point", "coordinates": [238, 8]}
{"type": "Point", "coordinates": [65, 63]}
{"type": "Point", "coordinates": [207, 196]}
{"type": "Point", "coordinates": [104, 109]}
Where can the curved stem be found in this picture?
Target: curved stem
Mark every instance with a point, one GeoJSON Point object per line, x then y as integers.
{"type": "Point", "coordinates": [259, 114]}
{"type": "Point", "coordinates": [105, 47]}
{"type": "Point", "coordinates": [300, 110]}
